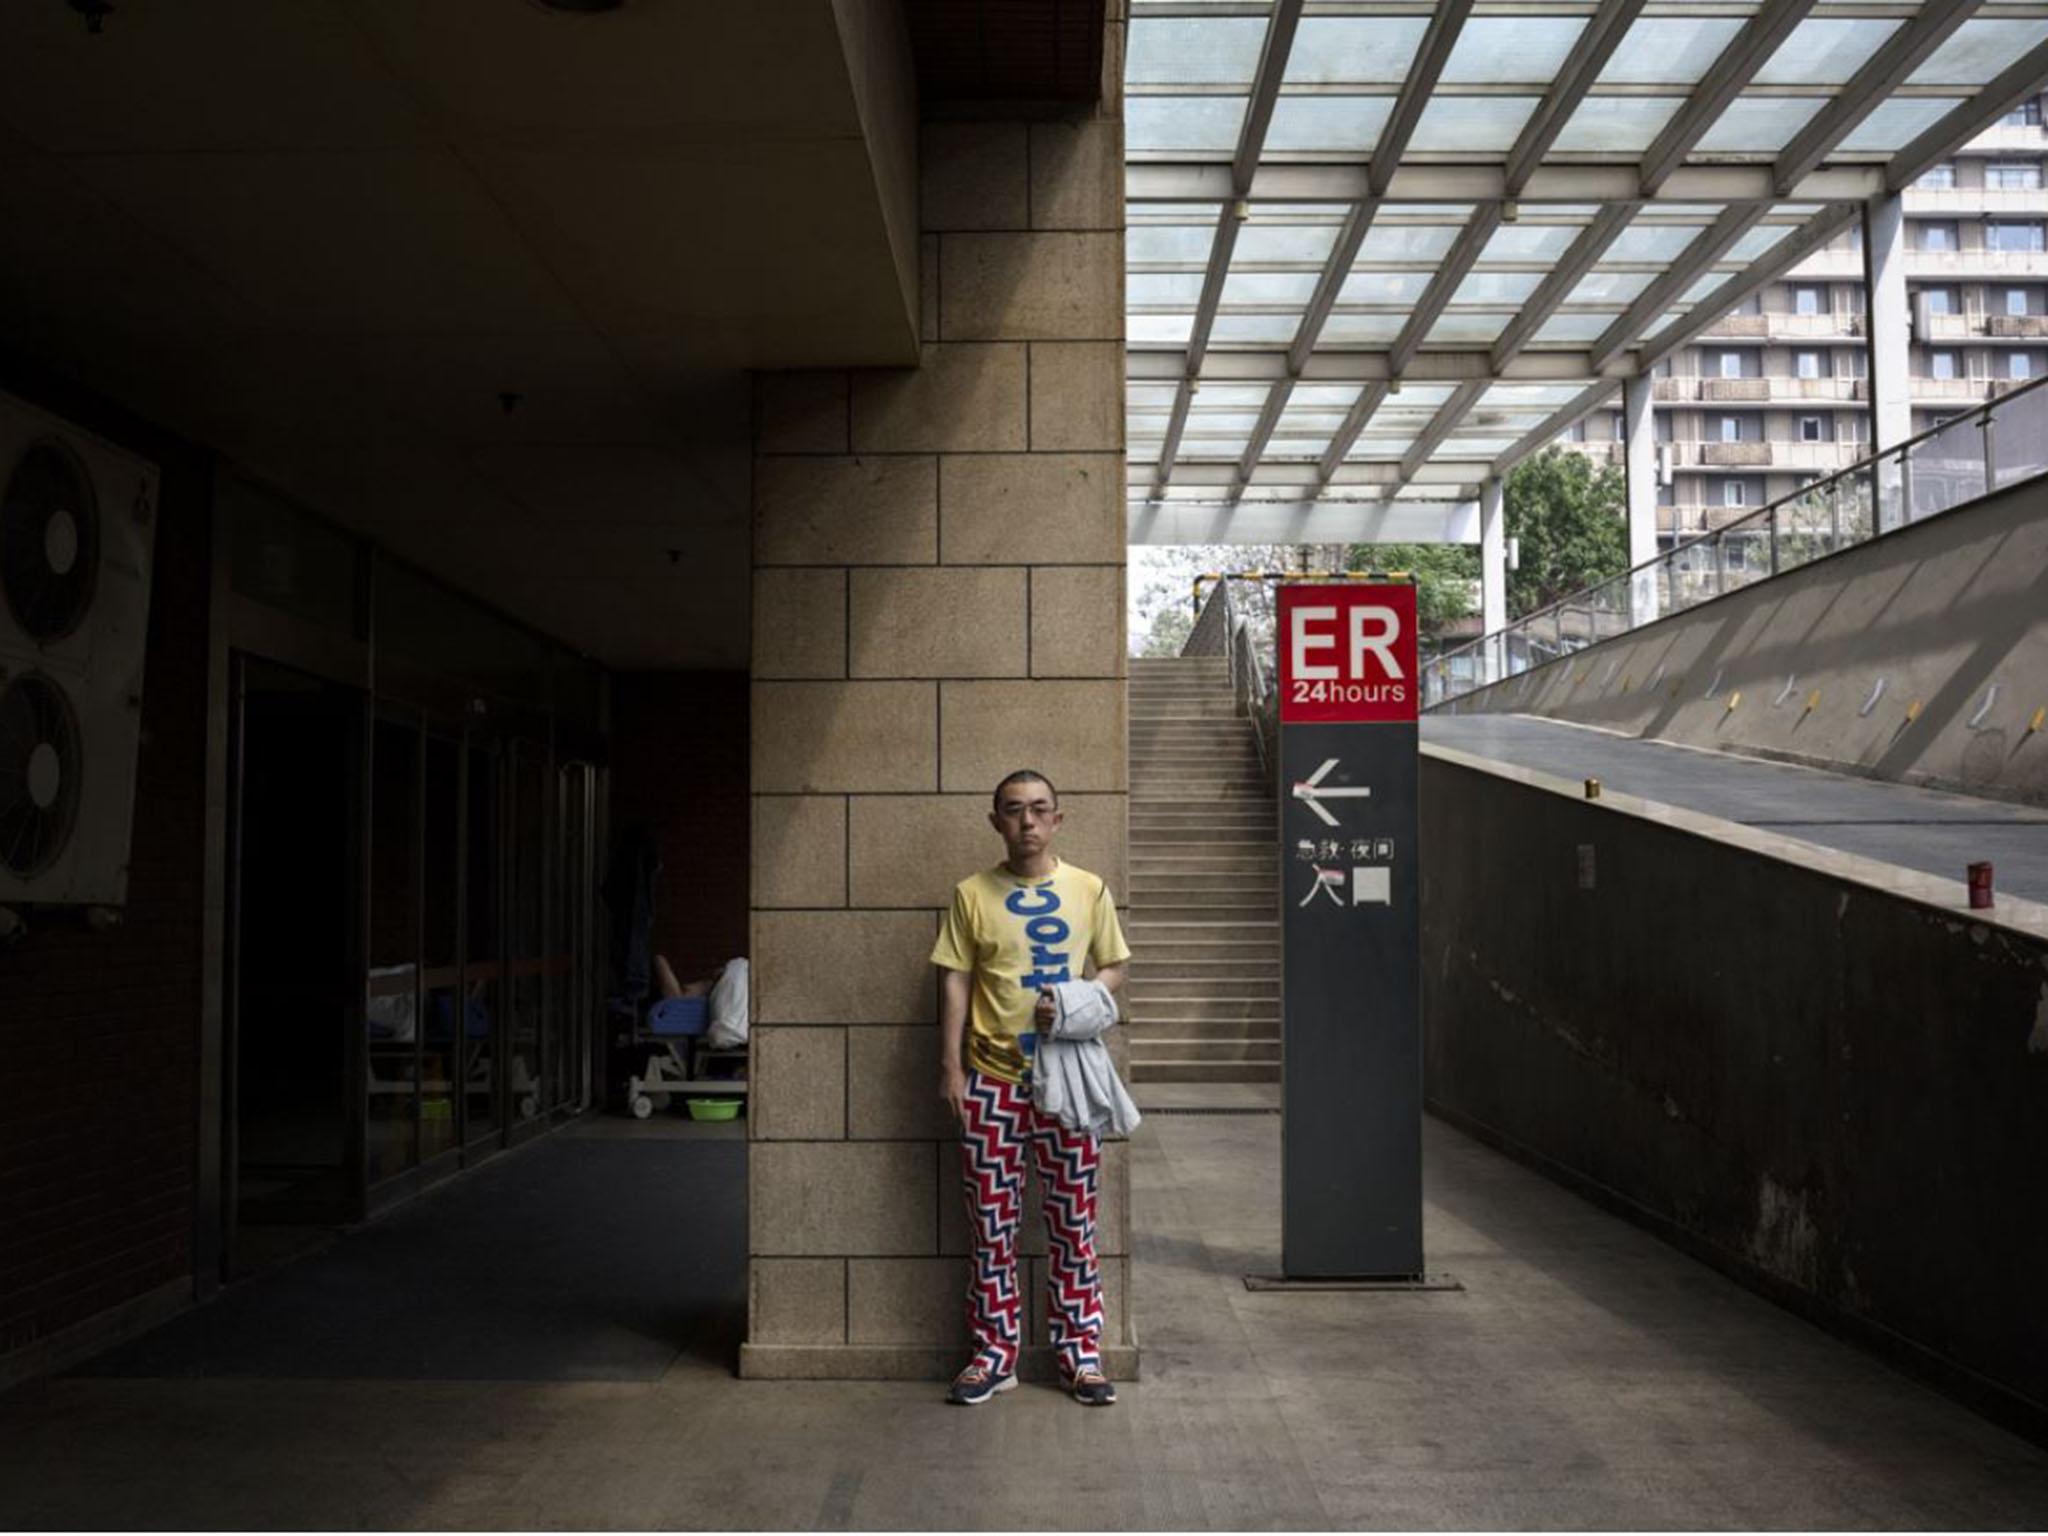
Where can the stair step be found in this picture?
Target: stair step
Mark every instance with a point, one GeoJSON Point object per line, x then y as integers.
{"type": "Point", "coordinates": [1176, 1027]}
{"type": "Point", "coordinates": [1182, 1006]}
{"type": "Point", "coordinates": [1206, 1050]}
{"type": "Point", "coordinates": [1205, 1072]}
{"type": "Point", "coordinates": [1172, 957]}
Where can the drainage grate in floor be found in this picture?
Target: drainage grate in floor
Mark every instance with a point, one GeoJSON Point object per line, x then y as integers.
{"type": "Point", "coordinates": [1210, 1109]}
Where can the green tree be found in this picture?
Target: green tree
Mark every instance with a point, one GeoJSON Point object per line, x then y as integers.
{"type": "Point", "coordinates": [1568, 521]}
{"type": "Point", "coordinates": [1169, 632]}
{"type": "Point", "coordinates": [1444, 574]}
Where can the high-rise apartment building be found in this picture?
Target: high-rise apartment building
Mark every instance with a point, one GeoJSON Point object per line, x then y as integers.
{"type": "Point", "coordinates": [1777, 393]}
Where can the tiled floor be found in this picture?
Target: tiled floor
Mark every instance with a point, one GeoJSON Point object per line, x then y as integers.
{"type": "Point", "coordinates": [1587, 1376]}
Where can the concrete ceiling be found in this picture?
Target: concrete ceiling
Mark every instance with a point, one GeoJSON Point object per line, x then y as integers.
{"type": "Point", "coordinates": [325, 237]}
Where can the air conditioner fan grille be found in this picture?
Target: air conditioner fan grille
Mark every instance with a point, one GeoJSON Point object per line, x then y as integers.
{"type": "Point", "coordinates": [49, 542]}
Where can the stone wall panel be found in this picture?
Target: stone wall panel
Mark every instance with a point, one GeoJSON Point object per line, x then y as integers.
{"type": "Point", "coordinates": [836, 511]}
{"type": "Point", "coordinates": [844, 967]}
{"type": "Point", "coordinates": [1071, 731]}
{"type": "Point", "coordinates": [829, 738]}
{"type": "Point", "coordinates": [825, 1199]}
{"type": "Point", "coordinates": [1042, 508]}
{"type": "Point", "coordinates": [962, 621]}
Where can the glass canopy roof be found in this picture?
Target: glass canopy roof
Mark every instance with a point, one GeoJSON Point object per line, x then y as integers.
{"type": "Point", "coordinates": [1385, 248]}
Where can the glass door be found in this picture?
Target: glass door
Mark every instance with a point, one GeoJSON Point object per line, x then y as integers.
{"type": "Point", "coordinates": [442, 1043]}
{"type": "Point", "coordinates": [479, 1031]}
{"type": "Point", "coordinates": [391, 1012]}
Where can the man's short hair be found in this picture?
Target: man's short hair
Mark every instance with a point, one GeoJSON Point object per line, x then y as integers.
{"type": "Point", "coordinates": [1023, 776]}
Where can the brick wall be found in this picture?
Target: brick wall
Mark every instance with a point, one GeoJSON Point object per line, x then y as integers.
{"type": "Point", "coordinates": [679, 764]}
{"type": "Point", "coordinates": [99, 1032]}
{"type": "Point", "coordinates": [938, 598]}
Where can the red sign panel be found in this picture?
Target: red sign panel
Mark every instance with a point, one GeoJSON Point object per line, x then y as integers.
{"type": "Point", "coordinates": [1347, 652]}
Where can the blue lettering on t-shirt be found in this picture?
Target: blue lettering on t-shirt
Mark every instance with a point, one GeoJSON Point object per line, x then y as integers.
{"type": "Point", "coordinates": [1051, 966]}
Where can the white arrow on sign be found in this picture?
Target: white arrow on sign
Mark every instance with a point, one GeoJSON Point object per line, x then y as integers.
{"type": "Point", "coordinates": [1310, 795]}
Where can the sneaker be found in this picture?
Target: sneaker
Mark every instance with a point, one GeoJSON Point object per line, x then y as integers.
{"type": "Point", "coordinates": [977, 1384]}
{"type": "Point", "coordinates": [1091, 1388]}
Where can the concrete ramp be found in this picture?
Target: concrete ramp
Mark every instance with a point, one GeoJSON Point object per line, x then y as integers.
{"type": "Point", "coordinates": [1921, 657]}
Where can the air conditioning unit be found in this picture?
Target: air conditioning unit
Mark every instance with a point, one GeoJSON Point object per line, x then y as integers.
{"type": "Point", "coordinates": [77, 529]}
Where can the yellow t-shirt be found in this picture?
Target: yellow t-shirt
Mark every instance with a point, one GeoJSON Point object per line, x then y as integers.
{"type": "Point", "coordinates": [1018, 935]}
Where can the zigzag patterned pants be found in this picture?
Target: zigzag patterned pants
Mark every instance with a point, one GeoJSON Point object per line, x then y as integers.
{"type": "Point", "coordinates": [1000, 1120]}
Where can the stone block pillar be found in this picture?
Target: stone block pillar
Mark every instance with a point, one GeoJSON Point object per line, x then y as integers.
{"type": "Point", "coordinates": [938, 599]}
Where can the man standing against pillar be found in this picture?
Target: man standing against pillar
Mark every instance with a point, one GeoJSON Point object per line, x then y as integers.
{"type": "Point", "coordinates": [1015, 931]}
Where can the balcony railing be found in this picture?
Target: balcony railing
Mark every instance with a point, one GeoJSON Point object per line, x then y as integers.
{"type": "Point", "coordinates": [1987, 449]}
{"type": "Point", "coordinates": [1955, 202]}
{"type": "Point", "coordinates": [1785, 326]}
{"type": "Point", "coordinates": [1746, 455]}
{"type": "Point", "coordinates": [1966, 327]}
{"type": "Point", "coordinates": [1776, 389]}
{"type": "Point", "coordinates": [1735, 389]}
{"type": "Point", "coordinates": [1963, 265]}
{"type": "Point", "coordinates": [2016, 325]}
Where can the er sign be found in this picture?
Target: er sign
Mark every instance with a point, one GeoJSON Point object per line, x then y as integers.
{"type": "Point", "coordinates": [1347, 653]}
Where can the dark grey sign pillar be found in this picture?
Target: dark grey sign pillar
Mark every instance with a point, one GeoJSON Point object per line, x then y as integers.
{"type": "Point", "coordinates": [1351, 1169]}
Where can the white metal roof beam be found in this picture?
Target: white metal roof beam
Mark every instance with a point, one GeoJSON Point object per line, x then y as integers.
{"type": "Point", "coordinates": [1348, 366]}
{"type": "Point", "coordinates": [1180, 181]}
{"type": "Point", "coordinates": [1273, 52]}
{"type": "Point", "coordinates": [1262, 431]}
{"type": "Point", "coordinates": [1571, 268]}
{"type": "Point", "coordinates": [1731, 72]}
{"type": "Point", "coordinates": [1556, 422]}
{"type": "Point", "coordinates": [1441, 426]}
{"type": "Point", "coordinates": [1251, 143]}
{"type": "Point", "coordinates": [1457, 265]}
{"type": "Point", "coordinates": [1589, 55]}
{"type": "Point", "coordinates": [1905, 51]}
{"type": "Point", "coordinates": [2022, 80]}
{"type": "Point", "coordinates": [1708, 247]}
{"type": "Point", "coordinates": [1739, 61]}
{"type": "Point", "coordinates": [1446, 21]}
{"type": "Point", "coordinates": [1353, 473]}
{"type": "Point", "coordinates": [1330, 283]}
{"type": "Point", "coordinates": [1355, 419]}
{"type": "Point", "coordinates": [1820, 229]}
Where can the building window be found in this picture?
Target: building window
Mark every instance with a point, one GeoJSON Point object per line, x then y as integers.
{"type": "Point", "coordinates": [1810, 430]}
{"type": "Point", "coordinates": [2019, 366]}
{"type": "Point", "coordinates": [1731, 429]}
{"type": "Point", "coordinates": [2003, 235]}
{"type": "Point", "coordinates": [2013, 175]}
{"type": "Point", "coordinates": [1806, 364]}
{"type": "Point", "coordinates": [1731, 365]}
{"type": "Point", "coordinates": [2015, 301]}
{"type": "Point", "coordinates": [1941, 365]}
{"type": "Point", "coordinates": [1733, 494]}
{"type": "Point", "coordinates": [1938, 178]}
{"type": "Point", "coordinates": [2026, 115]}
{"type": "Point", "coordinates": [1806, 300]}
{"type": "Point", "coordinates": [1938, 235]}
{"type": "Point", "coordinates": [1939, 301]}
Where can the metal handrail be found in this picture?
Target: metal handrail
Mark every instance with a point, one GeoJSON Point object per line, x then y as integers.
{"type": "Point", "coordinates": [1912, 480]}
{"type": "Point", "coordinates": [1253, 690]}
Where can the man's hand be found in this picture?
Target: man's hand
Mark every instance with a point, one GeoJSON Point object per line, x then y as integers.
{"type": "Point", "coordinates": [1042, 1015]}
{"type": "Point", "coordinates": [953, 1090]}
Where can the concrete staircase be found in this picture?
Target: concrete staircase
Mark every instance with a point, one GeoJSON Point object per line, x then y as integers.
{"type": "Point", "coordinates": [1204, 920]}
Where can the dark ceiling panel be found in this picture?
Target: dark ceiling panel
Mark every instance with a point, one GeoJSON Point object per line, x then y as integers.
{"type": "Point", "coordinates": [1008, 50]}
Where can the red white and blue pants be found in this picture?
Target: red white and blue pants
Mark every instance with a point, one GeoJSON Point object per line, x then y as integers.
{"type": "Point", "coordinates": [999, 1123]}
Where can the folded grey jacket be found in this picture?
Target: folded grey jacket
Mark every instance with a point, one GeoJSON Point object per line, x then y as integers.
{"type": "Point", "coordinates": [1072, 1077]}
